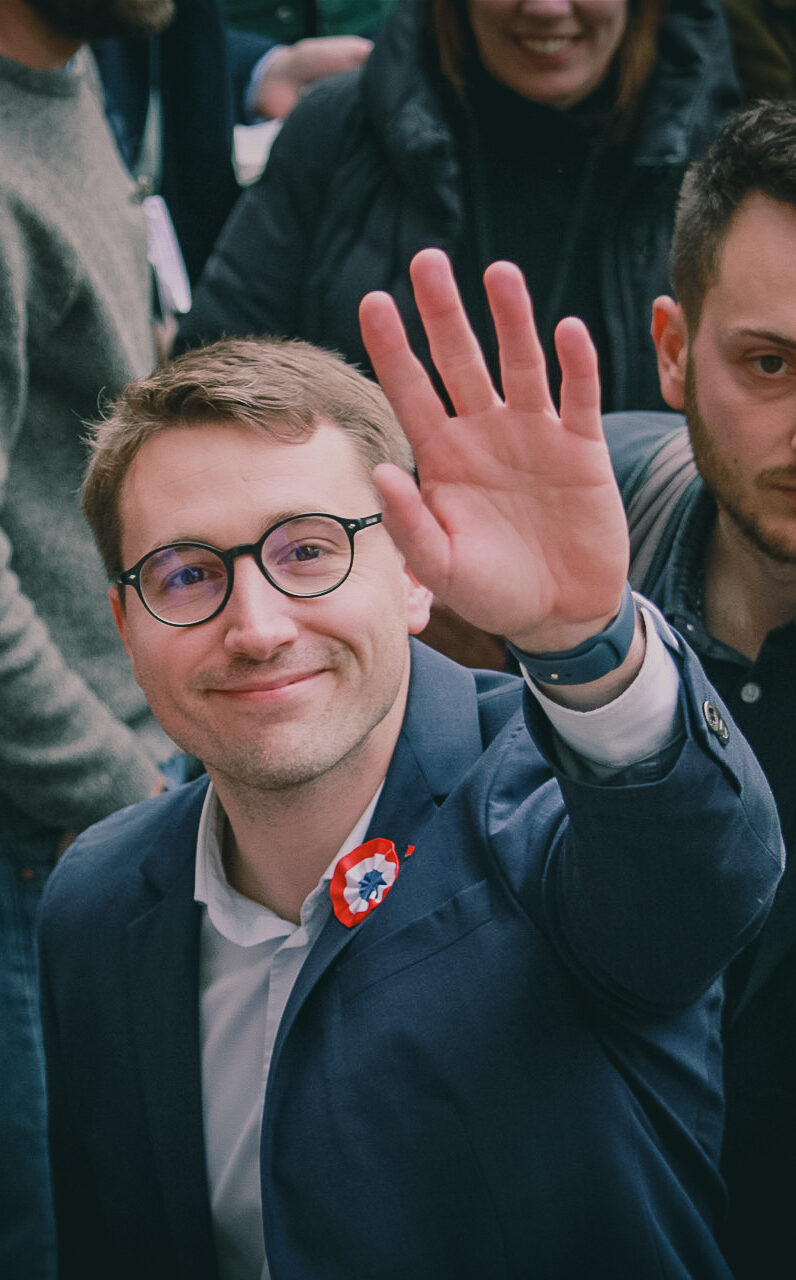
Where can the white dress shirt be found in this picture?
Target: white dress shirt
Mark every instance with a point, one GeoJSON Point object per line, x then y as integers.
{"type": "Point", "coordinates": [249, 959]}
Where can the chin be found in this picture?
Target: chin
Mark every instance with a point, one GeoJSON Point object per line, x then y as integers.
{"type": "Point", "coordinates": [774, 541]}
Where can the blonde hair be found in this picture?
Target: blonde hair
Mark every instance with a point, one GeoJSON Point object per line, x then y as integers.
{"type": "Point", "coordinates": [283, 388]}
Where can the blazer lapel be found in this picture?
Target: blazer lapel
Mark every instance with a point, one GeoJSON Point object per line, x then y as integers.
{"type": "Point", "coordinates": [163, 952]}
{"type": "Point", "coordinates": [439, 740]}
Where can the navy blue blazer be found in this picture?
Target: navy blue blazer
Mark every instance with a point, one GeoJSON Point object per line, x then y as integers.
{"type": "Point", "coordinates": [510, 1068]}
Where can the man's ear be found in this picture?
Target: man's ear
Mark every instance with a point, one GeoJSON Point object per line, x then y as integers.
{"type": "Point", "coordinates": [119, 616]}
{"type": "Point", "coordinates": [418, 603]}
{"type": "Point", "coordinates": [670, 336]}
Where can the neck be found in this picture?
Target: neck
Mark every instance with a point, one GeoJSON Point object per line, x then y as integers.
{"type": "Point", "coordinates": [747, 593]}
{"type": "Point", "coordinates": [281, 840]}
{"type": "Point", "coordinates": [27, 37]}
{"type": "Point", "coordinates": [278, 847]}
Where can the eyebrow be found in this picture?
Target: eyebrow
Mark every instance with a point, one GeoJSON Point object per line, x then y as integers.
{"type": "Point", "coordinates": [764, 335]}
{"type": "Point", "coordinates": [292, 514]}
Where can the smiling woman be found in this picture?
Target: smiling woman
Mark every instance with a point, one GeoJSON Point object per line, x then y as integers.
{"type": "Point", "coordinates": [552, 133]}
{"type": "Point", "coordinates": [555, 53]}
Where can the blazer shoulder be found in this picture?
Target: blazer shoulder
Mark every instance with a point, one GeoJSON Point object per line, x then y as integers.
{"type": "Point", "coordinates": [102, 869]}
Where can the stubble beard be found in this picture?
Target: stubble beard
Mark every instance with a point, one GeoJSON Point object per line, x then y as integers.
{"type": "Point", "coordinates": [98, 19]}
{"type": "Point", "coordinates": [270, 763]}
{"type": "Point", "coordinates": [720, 482]}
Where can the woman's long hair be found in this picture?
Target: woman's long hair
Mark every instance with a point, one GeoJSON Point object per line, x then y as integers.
{"type": "Point", "coordinates": [636, 55]}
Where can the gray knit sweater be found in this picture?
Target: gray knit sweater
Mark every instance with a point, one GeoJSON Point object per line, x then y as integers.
{"type": "Point", "coordinates": [76, 738]}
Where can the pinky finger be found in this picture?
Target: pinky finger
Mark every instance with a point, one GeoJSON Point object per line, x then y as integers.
{"type": "Point", "coordinates": [580, 379]}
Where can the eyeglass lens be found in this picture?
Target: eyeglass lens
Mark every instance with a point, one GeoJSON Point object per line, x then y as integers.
{"type": "Point", "coordinates": [307, 556]}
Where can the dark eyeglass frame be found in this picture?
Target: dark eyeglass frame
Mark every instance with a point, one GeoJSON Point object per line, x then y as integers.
{"type": "Point", "coordinates": [351, 526]}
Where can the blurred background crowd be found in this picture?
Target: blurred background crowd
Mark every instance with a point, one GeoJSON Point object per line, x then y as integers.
{"type": "Point", "coordinates": [172, 171]}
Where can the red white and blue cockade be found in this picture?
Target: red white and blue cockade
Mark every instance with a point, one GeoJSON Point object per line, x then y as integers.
{"type": "Point", "coordinates": [362, 879]}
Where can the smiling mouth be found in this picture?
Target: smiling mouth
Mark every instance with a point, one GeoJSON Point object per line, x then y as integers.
{"type": "Point", "coordinates": [265, 687]}
{"type": "Point", "coordinates": [547, 47]}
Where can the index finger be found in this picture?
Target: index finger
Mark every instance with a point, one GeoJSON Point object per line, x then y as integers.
{"type": "Point", "coordinates": [401, 376]}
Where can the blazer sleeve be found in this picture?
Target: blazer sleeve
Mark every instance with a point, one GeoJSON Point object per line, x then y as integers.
{"type": "Point", "coordinates": [649, 884]}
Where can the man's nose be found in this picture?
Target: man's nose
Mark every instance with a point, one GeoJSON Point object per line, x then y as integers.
{"type": "Point", "coordinates": [258, 619]}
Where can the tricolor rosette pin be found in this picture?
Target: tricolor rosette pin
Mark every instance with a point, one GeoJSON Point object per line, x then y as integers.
{"type": "Point", "coordinates": [362, 879]}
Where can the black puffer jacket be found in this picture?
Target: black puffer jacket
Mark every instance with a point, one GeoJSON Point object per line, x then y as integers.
{"type": "Point", "coordinates": [373, 166]}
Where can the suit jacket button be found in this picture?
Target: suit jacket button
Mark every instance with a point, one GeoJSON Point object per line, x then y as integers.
{"type": "Point", "coordinates": [715, 722]}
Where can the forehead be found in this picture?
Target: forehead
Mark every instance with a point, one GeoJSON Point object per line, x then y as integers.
{"type": "Point", "coordinates": [755, 285]}
{"type": "Point", "coordinates": [224, 484]}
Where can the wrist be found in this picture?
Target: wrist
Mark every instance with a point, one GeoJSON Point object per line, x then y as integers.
{"type": "Point", "coordinates": [593, 658]}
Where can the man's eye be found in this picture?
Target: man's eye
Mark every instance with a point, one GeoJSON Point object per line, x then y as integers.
{"type": "Point", "coordinates": [770, 364]}
{"type": "Point", "coordinates": [187, 576]}
{"type": "Point", "coordinates": [304, 551]}
{"type": "Point", "coordinates": [296, 554]}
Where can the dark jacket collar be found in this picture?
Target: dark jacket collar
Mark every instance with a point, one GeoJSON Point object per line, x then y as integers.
{"type": "Point", "coordinates": [693, 82]}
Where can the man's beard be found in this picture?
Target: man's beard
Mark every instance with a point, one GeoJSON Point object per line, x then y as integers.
{"type": "Point", "coordinates": [719, 481]}
{"type": "Point", "coordinates": [95, 19]}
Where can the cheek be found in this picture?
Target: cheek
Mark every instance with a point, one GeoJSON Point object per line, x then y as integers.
{"type": "Point", "coordinates": [608, 24]}
{"type": "Point", "coordinates": [157, 662]}
{"type": "Point", "coordinates": [375, 616]}
{"type": "Point", "coordinates": [488, 23]}
{"type": "Point", "coordinates": [728, 415]}
{"type": "Point", "coordinates": [610, 14]}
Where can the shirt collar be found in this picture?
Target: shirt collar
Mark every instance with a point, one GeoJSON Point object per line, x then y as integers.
{"type": "Point", "coordinates": [684, 583]}
{"type": "Point", "coordinates": [240, 919]}
{"type": "Point", "coordinates": [684, 580]}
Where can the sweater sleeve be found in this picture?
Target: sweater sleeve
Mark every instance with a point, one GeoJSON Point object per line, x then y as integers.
{"type": "Point", "coordinates": [244, 51]}
{"type": "Point", "coordinates": [64, 758]}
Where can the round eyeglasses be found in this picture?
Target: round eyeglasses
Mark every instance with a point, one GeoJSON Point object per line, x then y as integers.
{"type": "Point", "coordinates": [186, 583]}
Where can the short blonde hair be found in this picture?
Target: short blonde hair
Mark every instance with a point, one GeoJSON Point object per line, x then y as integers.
{"type": "Point", "coordinates": [281, 387]}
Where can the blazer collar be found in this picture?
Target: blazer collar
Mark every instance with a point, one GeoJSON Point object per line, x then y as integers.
{"type": "Point", "coordinates": [439, 741]}
{"type": "Point", "coordinates": [176, 836]}
{"type": "Point", "coordinates": [163, 958]}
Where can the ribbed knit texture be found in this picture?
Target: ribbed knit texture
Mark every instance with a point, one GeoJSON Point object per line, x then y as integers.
{"type": "Point", "coordinates": [74, 328]}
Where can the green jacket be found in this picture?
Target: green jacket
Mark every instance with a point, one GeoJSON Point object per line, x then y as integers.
{"type": "Point", "coordinates": [764, 41]}
{"type": "Point", "coordinates": [290, 20]}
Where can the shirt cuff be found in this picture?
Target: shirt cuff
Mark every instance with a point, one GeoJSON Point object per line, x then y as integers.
{"type": "Point", "coordinates": [641, 722]}
{"type": "Point", "coordinates": [253, 87]}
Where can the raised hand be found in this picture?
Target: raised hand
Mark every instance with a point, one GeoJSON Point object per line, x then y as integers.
{"type": "Point", "coordinates": [518, 524]}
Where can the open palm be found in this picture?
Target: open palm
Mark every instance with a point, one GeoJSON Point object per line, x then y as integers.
{"type": "Point", "coordinates": [518, 524]}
